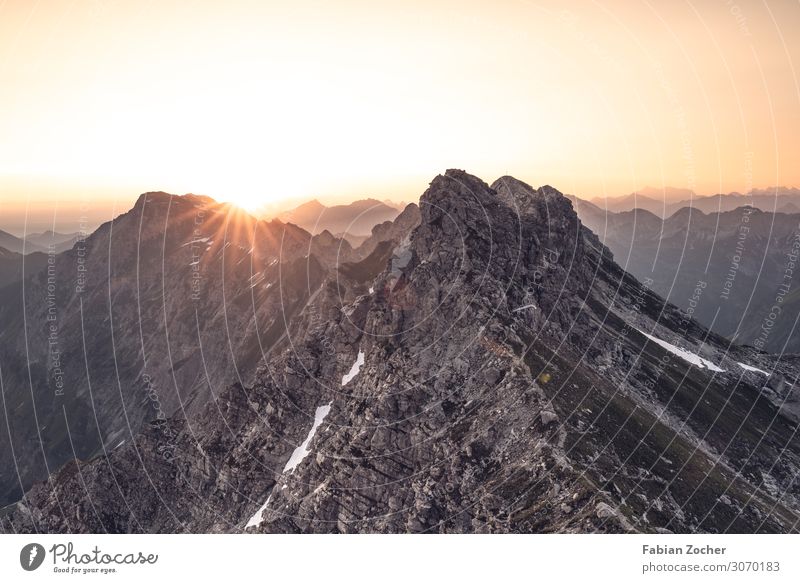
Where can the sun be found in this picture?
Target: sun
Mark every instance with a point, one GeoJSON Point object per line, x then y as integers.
{"type": "Point", "coordinates": [256, 193]}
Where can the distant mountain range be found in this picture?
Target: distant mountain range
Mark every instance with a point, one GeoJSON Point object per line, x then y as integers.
{"type": "Point", "coordinates": [665, 202]}
{"type": "Point", "coordinates": [481, 365]}
{"type": "Point", "coordinates": [58, 241]}
{"type": "Point", "coordinates": [355, 219]}
{"type": "Point", "coordinates": [21, 258]}
{"type": "Point", "coordinates": [38, 242]}
{"type": "Point", "coordinates": [14, 266]}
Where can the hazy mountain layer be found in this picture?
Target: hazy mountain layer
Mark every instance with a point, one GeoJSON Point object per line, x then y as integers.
{"type": "Point", "coordinates": [667, 201]}
{"type": "Point", "coordinates": [731, 270]}
{"type": "Point", "coordinates": [57, 242]}
{"type": "Point", "coordinates": [15, 244]}
{"type": "Point", "coordinates": [151, 316]}
{"type": "Point", "coordinates": [355, 219]}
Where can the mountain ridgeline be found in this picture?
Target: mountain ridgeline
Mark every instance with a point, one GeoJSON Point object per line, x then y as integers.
{"type": "Point", "coordinates": [482, 365]}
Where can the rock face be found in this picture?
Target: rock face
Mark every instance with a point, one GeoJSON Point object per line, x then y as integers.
{"type": "Point", "coordinates": [492, 370]}
{"type": "Point", "coordinates": [728, 268]}
{"type": "Point", "coordinates": [392, 231]}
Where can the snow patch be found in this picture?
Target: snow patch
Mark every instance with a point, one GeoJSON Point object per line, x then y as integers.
{"type": "Point", "coordinates": [371, 290]}
{"type": "Point", "coordinates": [256, 519]}
{"type": "Point", "coordinates": [299, 454]}
{"type": "Point", "coordinates": [689, 357]}
{"type": "Point", "coordinates": [207, 240]}
{"type": "Point", "coordinates": [752, 368]}
{"type": "Point", "coordinates": [526, 307]}
{"type": "Point", "coordinates": [354, 369]}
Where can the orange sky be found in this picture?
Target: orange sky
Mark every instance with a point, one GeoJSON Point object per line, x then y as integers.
{"type": "Point", "coordinates": [260, 101]}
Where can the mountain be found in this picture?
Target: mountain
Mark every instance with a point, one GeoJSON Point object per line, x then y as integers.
{"type": "Point", "coordinates": [17, 245]}
{"type": "Point", "coordinates": [776, 192]}
{"type": "Point", "coordinates": [667, 193]}
{"type": "Point", "coordinates": [727, 268]}
{"type": "Point", "coordinates": [13, 266]}
{"type": "Point", "coordinates": [721, 203]}
{"type": "Point", "coordinates": [492, 370]}
{"type": "Point", "coordinates": [655, 200]}
{"type": "Point", "coordinates": [664, 202]}
{"type": "Point", "coordinates": [59, 241]}
{"type": "Point", "coordinates": [356, 218]}
{"type": "Point", "coordinates": [152, 315]}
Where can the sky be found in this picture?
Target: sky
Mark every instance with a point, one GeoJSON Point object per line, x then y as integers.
{"type": "Point", "coordinates": [264, 103]}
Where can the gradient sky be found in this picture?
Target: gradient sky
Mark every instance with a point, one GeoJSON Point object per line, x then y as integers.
{"type": "Point", "coordinates": [259, 101]}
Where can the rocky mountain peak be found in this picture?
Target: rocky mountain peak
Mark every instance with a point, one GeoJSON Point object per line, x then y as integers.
{"type": "Point", "coordinates": [507, 229]}
{"type": "Point", "coordinates": [490, 370]}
